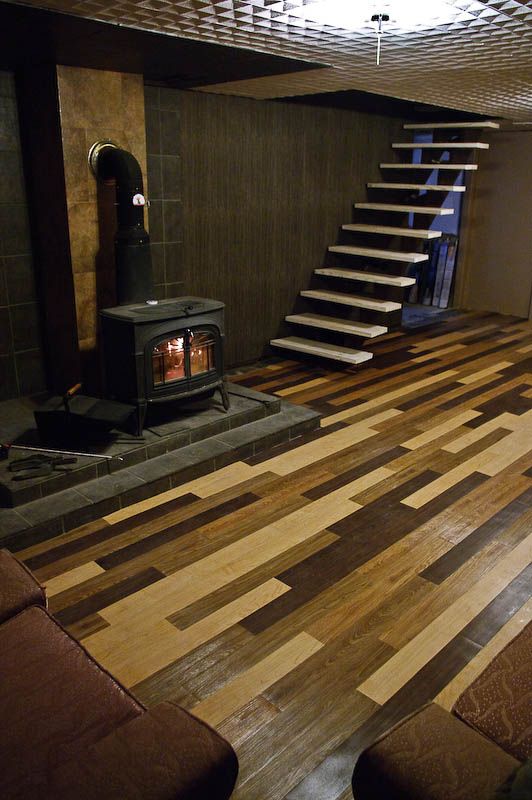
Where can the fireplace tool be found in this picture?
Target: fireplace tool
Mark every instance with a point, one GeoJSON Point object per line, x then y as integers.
{"type": "Point", "coordinates": [44, 461]}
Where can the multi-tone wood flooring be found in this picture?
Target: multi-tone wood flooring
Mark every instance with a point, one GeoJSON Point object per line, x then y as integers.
{"type": "Point", "coordinates": [306, 599]}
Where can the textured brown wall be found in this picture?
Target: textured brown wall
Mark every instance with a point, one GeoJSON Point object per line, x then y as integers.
{"type": "Point", "coordinates": [496, 261]}
{"type": "Point", "coordinates": [265, 187]}
{"type": "Point", "coordinates": [95, 105]}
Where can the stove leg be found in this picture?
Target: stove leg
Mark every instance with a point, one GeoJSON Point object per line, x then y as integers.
{"type": "Point", "coordinates": [142, 407]}
{"type": "Point", "coordinates": [225, 397]}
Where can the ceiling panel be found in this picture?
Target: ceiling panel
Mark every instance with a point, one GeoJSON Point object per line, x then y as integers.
{"type": "Point", "coordinates": [478, 59]}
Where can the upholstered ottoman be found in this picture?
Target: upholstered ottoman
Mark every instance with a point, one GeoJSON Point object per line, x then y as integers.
{"type": "Point", "coordinates": [466, 755]}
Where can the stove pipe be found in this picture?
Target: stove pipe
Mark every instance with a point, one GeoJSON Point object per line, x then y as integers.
{"type": "Point", "coordinates": [134, 274]}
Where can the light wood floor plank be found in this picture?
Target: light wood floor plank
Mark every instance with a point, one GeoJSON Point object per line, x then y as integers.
{"type": "Point", "coordinates": [71, 578]}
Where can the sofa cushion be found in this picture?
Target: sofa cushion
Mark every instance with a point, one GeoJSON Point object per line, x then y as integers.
{"type": "Point", "coordinates": [181, 758]}
{"type": "Point", "coordinates": [499, 702]}
{"type": "Point", "coordinates": [431, 756]}
{"type": "Point", "coordinates": [18, 587]}
{"type": "Point", "coordinates": [55, 700]}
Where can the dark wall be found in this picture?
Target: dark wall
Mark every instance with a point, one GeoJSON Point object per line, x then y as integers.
{"type": "Point", "coordinates": [259, 190]}
{"type": "Point", "coordinates": [21, 360]}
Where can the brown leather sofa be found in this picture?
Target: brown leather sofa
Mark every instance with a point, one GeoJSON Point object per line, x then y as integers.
{"type": "Point", "coordinates": [70, 731]}
{"type": "Point", "coordinates": [464, 755]}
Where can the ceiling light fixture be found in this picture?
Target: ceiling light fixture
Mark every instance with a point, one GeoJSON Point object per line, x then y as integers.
{"type": "Point", "coordinates": [404, 15]}
{"type": "Point", "coordinates": [379, 19]}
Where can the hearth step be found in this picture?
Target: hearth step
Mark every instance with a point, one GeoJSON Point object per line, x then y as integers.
{"type": "Point", "coordinates": [386, 230]}
{"type": "Point", "coordinates": [373, 304]}
{"type": "Point", "coordinates": [368, 277]}
{"type": "Point", "coordinates": [322, 349]}
{"type": "Point", "coordinates": [370, 252]}
{"type": "Point", "coordinates": [425, 126]}
{"type": "Point", "coordinates": [441, 145]}
{"type": "Point", "coordinates": [406, 209]}
{"type": "Point", "coordinates": [338, 325]}
{"type": "Point", "coordinates": [436, 165]}
{"type": "Point", "coordinates": [418, 187]}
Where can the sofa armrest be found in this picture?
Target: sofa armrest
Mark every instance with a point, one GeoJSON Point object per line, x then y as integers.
{"type": "Point", "coordinates": [498, 702]}
{"type": "Point", "coordinates": [164, 754]}
{"type": "Point", "coordinates": [18, 587]}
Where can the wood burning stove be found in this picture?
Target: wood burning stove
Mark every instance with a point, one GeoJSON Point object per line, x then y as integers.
{"type": "Point", "coordinates": [169, 350]}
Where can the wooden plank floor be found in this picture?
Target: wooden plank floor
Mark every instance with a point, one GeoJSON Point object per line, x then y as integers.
{"type": "Point", "coordinates": [306, 599]}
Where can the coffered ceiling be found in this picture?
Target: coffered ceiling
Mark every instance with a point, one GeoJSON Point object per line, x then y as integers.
{"type": "Point", "coordinates": [475, 56]}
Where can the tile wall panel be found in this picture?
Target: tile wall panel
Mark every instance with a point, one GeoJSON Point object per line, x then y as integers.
{"type": "Point", "coordinates": [21, 358]}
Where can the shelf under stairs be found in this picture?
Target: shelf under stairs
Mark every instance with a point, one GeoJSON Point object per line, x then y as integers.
{"type": "Point", "coordinates": [347, 316]}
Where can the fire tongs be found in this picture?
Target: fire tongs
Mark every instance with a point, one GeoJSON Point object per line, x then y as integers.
{"type": "Point", "coordinates": [38, 466]}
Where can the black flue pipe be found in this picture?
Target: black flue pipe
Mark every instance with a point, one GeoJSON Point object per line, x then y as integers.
{"type": "Point", "coordinates": [134, 273]}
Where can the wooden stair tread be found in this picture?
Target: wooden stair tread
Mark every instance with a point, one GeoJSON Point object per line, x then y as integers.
{"type": "Point", "coordinates": [441, 145]}
{"type": "Point", "coordinates": [444, 165]}
{"type": "Point", "coordinates": [323, 349]}
{"type": "Point", "coordinates": [340, 325]}
{"type": "Point", "coordinates": [431, 187]}
{"type": "Point", "coordinates": [387, 230]}
{"type": "Point", "coordinates": [437, 212]}
{"type": "Point", "coordinates": [358, 301]}
{"type": "Point", "coordinates": [371, 252]}
{"type": "Point", "coordinates": [416, 126]}
{"type": "Point", "coordinates": [368, 277]}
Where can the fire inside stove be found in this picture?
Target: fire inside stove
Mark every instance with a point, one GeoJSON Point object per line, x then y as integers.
{"type": "Point", "coordinates": [183, 356]}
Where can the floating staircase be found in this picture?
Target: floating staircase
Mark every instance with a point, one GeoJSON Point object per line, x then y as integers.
{"type": "Point", "coordinates": [378, 294]}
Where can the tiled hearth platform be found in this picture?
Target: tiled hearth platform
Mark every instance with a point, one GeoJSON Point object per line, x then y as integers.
{"type": "Point", "coordinates": [194, 442]}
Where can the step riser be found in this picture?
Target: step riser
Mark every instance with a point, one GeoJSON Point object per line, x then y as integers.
{"type": "Point", "coordinates": [431, 210]}
{"type": "Point", "coordinates": [445, 165]}
{"type": "Point", "coordinates": [354, 301]}
{"type": "Point", "coordinates": [386, 255]}
{"type": "Point", "coordinates": [323, 350]}
{"type": "Point", "coordinates": [397, 281]}
{"type": "Point", "coordinates": [440, 146]}
{"type": "Point", "coordinates": [416, 187]}
{"type": "Point", "coordinates": [428, 126]}
{"type": "Point", "coordinates": [383, 230]}
{"type": "Point", "coordinates": [335, 325]}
